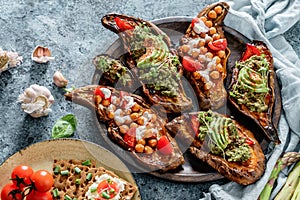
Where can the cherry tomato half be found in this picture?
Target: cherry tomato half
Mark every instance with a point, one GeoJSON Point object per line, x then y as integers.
{"type": "Point", "coordinates": [195, 124]}
{"type": "Point", "coordinates": [194, 21]}
{"type": "Point", "coordinates": [122, 25]}
{"type": "Point", "coordinates": [218, 45]}
{"type": "Point", "coordinates": [11, 192]}
{"type": "Point", "coordinates": [23, 174]}
{"type": "Point", "coordinates": [42, 180]}
{"type": "Point", "coordinates": [190, 64]}
{"type": "Point", "coordinates": [250, 51]}
{"type": "Point", "coordinates": [107, 189]}
{"type": "Point", "coordinates": [129, 137]}
{"type": "Point", "coordinates": [35, 195]}
{"type": "Point", "coordinates": [164, 146]}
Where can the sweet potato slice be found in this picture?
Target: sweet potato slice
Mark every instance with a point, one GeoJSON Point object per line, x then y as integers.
{"type": "Point", "coordinates": [252, 88]}
{"type": "Point", "coordinates": [204, 53]}
{"type": "Point", "coordinates": [151, 60]}
{"type": "Point", "coordinates": [132, 125]}
{"type": "Point", "coordinates": [221, 142]}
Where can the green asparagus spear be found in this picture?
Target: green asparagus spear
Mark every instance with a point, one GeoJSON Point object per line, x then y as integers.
{"type": "Point", "coordinates": [287, 159]}
{"type": "Point", "coordinates": [290, 185]}
{"type": "Point", "coordinates": [296, 195]}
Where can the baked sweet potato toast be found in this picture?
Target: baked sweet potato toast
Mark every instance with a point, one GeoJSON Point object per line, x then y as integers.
{"type": "Point", "coordinates": [133, 125]}
{"type": "Point", "coordinates": [222, 143]}
{"type": "Point", "coordinates": [204, 53]}
{"type": "Point", "coordinates": [151, 60]}
{"type": "Point", "coordinates": [113, 73]}
{"type": "Point", "coordinates": [252, 87]}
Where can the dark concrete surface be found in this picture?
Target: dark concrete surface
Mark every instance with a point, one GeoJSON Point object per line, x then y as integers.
{"type": "Point", "coordinates": [72, 30]}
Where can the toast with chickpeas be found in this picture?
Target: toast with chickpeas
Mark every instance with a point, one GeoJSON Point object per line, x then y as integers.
{"type": "Point", "coordinates": [150, 57]}
{"type": "Point", "coordinates": [133, 125]}
{"type": "Point", "coordinates": [204, 53]}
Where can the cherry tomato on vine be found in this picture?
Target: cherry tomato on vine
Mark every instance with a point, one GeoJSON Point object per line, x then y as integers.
{"type": "Point", "coordinates": [11, 192]}
{"type": "Point", "coordinates": [23, 174]}
{"type": "Point", "coordinates": [42, 180]}
{"type": "Point", "coordinates": [35, 195]}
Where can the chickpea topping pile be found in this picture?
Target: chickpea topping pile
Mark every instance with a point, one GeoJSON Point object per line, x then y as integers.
{"type": "Point", "coordinates": [138, 126]}
{"type": "Point", "coordinates": [205, 46]}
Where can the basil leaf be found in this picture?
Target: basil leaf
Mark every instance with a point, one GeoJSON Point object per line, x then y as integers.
{"type": "Point", "coordinates": [64, 127]}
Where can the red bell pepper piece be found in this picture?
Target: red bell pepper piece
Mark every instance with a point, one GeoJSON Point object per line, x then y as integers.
{"type": "Point", "coordinates": [122, 25]}
{"type": "Point", "coordinates": [97, 91]}
{"type": "Point", "coordinates": [164, 145]}
{"type": "Point", "coordinates": [250, 51]}
{"type": "Point", "coordinates": [190, 64]}
{"type": "Point", "coordinates": [250, 141]}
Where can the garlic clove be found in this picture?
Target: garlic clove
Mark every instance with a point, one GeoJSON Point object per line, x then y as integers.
{"type": "Point", "coordinates": [36, 101]}
{"type": "Point", "coordinates": [9, 59]}
{"type": "Point", "coordinates": [41, 55]}
{"type": "Point", "coordinates": [59, 80]}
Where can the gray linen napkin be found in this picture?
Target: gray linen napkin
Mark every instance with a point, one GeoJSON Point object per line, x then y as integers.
{"type": "Point", "coordinates": [267, 20]}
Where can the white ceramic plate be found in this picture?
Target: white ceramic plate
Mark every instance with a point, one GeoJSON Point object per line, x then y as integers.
{"type": "Point", "coordinates": [42, 154]}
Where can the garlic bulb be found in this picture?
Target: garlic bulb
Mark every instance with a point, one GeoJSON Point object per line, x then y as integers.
{"type": "Point", "coordinates": [59, 80]}
{"type": "Point", "coordinates": [36, 101]}
{"type": "Point", "coordinates": [9, 59]}
{"type": "Point", "coordinates": [41, 55]}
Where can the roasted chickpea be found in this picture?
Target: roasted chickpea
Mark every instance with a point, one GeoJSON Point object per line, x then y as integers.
{"type": "Point", "coordinates": [209, 24]}
{"type": "Point", "coordinates": [98, 99]}
{"type": "Point", "coordinates": [196, 75]}
{"type": "Point", "coordinates": [202, 58]}
{"type": "Point", "coordinates": [105, 102]}
{"type": "Point", "coordinates": [209, 55]}
{"type": "Point", "coordinates": [136, 107]}
{"type": "Point", "coordinates": [221, 54]}
{"type": "Point", "coordinates": [212, 14]}
{"type": "Point", "coordinates": [152, 142]}
{"type": "Point", "coordinates": [201, 42]}
{"type": "Point", "coordinates": [185, 48]}
{"type": "Point", "coordinates": [218, 9]}
{"type": "Point", "coordinates": [110, 114]}
{"type": "Point", "coordinates": [134, 116]}
{"type": "Point", "coordinates": [133, 125]}
{"type": "Point", "coordinates": [215, 74]}
{"type": "Point", "coordinates": [148, 150]}
{"type": "Point", "coordinates": [148, 133]}
{"type": "Point", "coordinates": [216, 59]}
{"type": "Point", "coordinates": [204, 19]}
{"type": "Point", "coordinates": [203, 50]}
{"type": "Point", "coordinates": [212, 30]}
{"type": "Point", "coordinates": [139, 148]}
{"type": "Point", "coordinates": [219, 68]}
{"type": "Point", "coordinates": [140, 120]}
{"type": "Point", "coordinates": [216, 36]}
{"type": "Point", "coordinates": [141, 141]}
{"type": "Point", "coordinates": [195, 53]}
{"type": "Point", "coordinates": [123, 129]}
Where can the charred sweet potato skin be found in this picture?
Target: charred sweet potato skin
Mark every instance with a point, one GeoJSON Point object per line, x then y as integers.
{"type": "Point", "coordinates": [171, 104]}
{"type": "Point", "coordinates": [244, 173]}
{"type": "Point", "coordinates": [264, 120]}
{"type": "Point", "coordinates": [210, 92]}
{"type": "Point", "coordinates": [154, 161]}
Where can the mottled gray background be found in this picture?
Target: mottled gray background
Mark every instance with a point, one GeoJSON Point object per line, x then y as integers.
{"type": "Point", "coordinates": [72, 30]}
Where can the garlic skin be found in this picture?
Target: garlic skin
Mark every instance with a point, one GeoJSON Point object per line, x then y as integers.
{"type": "Point", "coordinates": [59, 80]}
{"type": "Point", "coordinates": [36, 101]}
{"type": "Point", "coordinates": [41, 54]}
{"type": "Point", "coordinates": [9, 59]}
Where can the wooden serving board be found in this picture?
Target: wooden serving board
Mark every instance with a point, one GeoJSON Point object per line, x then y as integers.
{"type": "Point", "coordinates": [193, 170]}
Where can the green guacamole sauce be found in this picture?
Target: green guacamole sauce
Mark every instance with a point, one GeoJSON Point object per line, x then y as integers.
{"type": "Point", "coordinates": [113, 68]}
{"type": "Point", "coordinates": [157, 66]}
{"type": "Point", "coordinates": [251, 87]}
{"type": "Point", "coordinates": [222, 137]}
